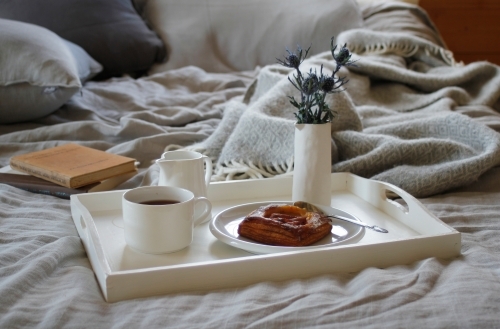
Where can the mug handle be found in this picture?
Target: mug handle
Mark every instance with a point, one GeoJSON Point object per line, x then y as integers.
{"type": "Point", "coordinates": [206, 211]}
{"type": "Point", "coordinates": [208, 166]}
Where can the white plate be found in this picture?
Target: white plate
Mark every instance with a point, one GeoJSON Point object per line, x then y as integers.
{"type": "Point", "coordinates": [224, 226]}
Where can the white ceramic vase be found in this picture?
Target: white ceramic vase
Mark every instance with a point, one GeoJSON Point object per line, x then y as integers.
{"type": "Point", "coordinates": [312, 164]}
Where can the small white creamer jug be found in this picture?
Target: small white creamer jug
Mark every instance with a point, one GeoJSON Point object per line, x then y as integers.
{"type": "Point", "coordinates": [185, 169]}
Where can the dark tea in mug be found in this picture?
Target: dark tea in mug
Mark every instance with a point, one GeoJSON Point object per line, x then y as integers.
{"type": "Point", "coordinates": [159, 202]}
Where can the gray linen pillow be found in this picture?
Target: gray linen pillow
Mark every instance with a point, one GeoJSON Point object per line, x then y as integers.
{"type": "Point", "coordinates": [111, 31]}
{"type": "Point", "coordinates": [87, 67]}
{"type": "Point", "coordinates": [39, 71]}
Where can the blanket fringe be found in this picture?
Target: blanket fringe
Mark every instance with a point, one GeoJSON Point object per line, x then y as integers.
{"type": "Point", "coordinates": [404, 50]}
{"type": "Point", "coordinates": [173, 147]}
{"type": "Point", "coordinates": [237, 170]}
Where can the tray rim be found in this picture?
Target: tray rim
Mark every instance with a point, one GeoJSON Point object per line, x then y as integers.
{"type": "Point", "coordinates": [109, 279]}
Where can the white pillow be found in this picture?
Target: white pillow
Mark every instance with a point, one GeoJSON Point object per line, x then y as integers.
{"type": "Point", "coordinates": [237, 35]}
{"type": "Point", "coordinates": [39, 71]}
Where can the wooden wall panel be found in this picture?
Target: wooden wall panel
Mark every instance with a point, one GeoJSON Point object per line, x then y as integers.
{"type": "Point", "coordinates": [470, 28]}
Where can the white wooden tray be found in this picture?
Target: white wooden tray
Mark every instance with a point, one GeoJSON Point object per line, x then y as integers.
{"type": "Point", "coordinates": [122, 273]}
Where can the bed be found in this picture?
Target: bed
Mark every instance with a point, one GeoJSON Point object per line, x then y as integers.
{"type": "Point", "coordinates": [410, 116]}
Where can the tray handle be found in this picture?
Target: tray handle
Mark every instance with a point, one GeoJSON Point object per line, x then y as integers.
{"type": "Point", "coordinates": [88, 234]}
{"type": "Point", "coordinates": [390, 194]}
{"type": "Point", "coordinates": [406, 208]}
{"type": "Point", "coordinates": [382, 195]}
{"type": "Point", "coordinates": [84, 232]}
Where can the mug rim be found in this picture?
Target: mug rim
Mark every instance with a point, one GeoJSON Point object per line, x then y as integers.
{"type": "Point", "coordinates": [136, 192]}
{"type": "Point", "coordinates": [196, 156]}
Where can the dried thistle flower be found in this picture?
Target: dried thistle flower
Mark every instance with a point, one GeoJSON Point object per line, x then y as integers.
{"type": "Point", "coordinates": [313, 88]}
{"type": "Point", "coordinates": [293, 60]}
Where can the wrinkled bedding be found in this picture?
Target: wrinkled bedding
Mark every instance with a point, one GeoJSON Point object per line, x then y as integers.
{"type": "Point", "coordinates": [46, 279]}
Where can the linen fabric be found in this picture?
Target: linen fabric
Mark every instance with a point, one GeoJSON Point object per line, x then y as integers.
{"type": "Point", "coordinates": [110, 31]}
{"type": "Point", "coordinates": [44, 260]}
{"type": "Point", "coordinates": [47, 281]}
{"type": "Point", "coordinates": [39, 71]}
{"type": "Point", "coordinates": [225, 36]}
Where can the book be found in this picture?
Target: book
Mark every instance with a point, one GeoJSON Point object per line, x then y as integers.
{"type": "Point", "coordinates": [72, 165]}
{"type": "Point", "coordinates": [41, 186]}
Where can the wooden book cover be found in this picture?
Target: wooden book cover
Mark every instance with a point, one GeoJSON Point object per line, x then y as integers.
{"type": "Point", "coordinates": [73, 165]}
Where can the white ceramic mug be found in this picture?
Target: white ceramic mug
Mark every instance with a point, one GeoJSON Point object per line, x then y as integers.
{"type": "Point", "coordinates": [161, 219]}
{"type": "Point", "coordinates": [185, 169]}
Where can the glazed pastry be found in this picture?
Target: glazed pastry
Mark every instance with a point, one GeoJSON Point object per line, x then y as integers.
{"type": "Point", "coordinates": [284, 225]}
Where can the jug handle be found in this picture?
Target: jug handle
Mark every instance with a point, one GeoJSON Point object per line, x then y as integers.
{"type": "Point", "coordinates": [208, 172]}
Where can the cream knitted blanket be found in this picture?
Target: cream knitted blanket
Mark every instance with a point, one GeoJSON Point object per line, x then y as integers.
{"type": "Point", "coordinates": [400, 120]}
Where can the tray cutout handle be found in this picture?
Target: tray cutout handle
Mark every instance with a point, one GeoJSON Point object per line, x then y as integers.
{"type": "Point", "coordinates": [401, 204]}
{"type": "Point", "coordinates": [84, 235]}
{"type": "Point", "coordinates": [82, 223]}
